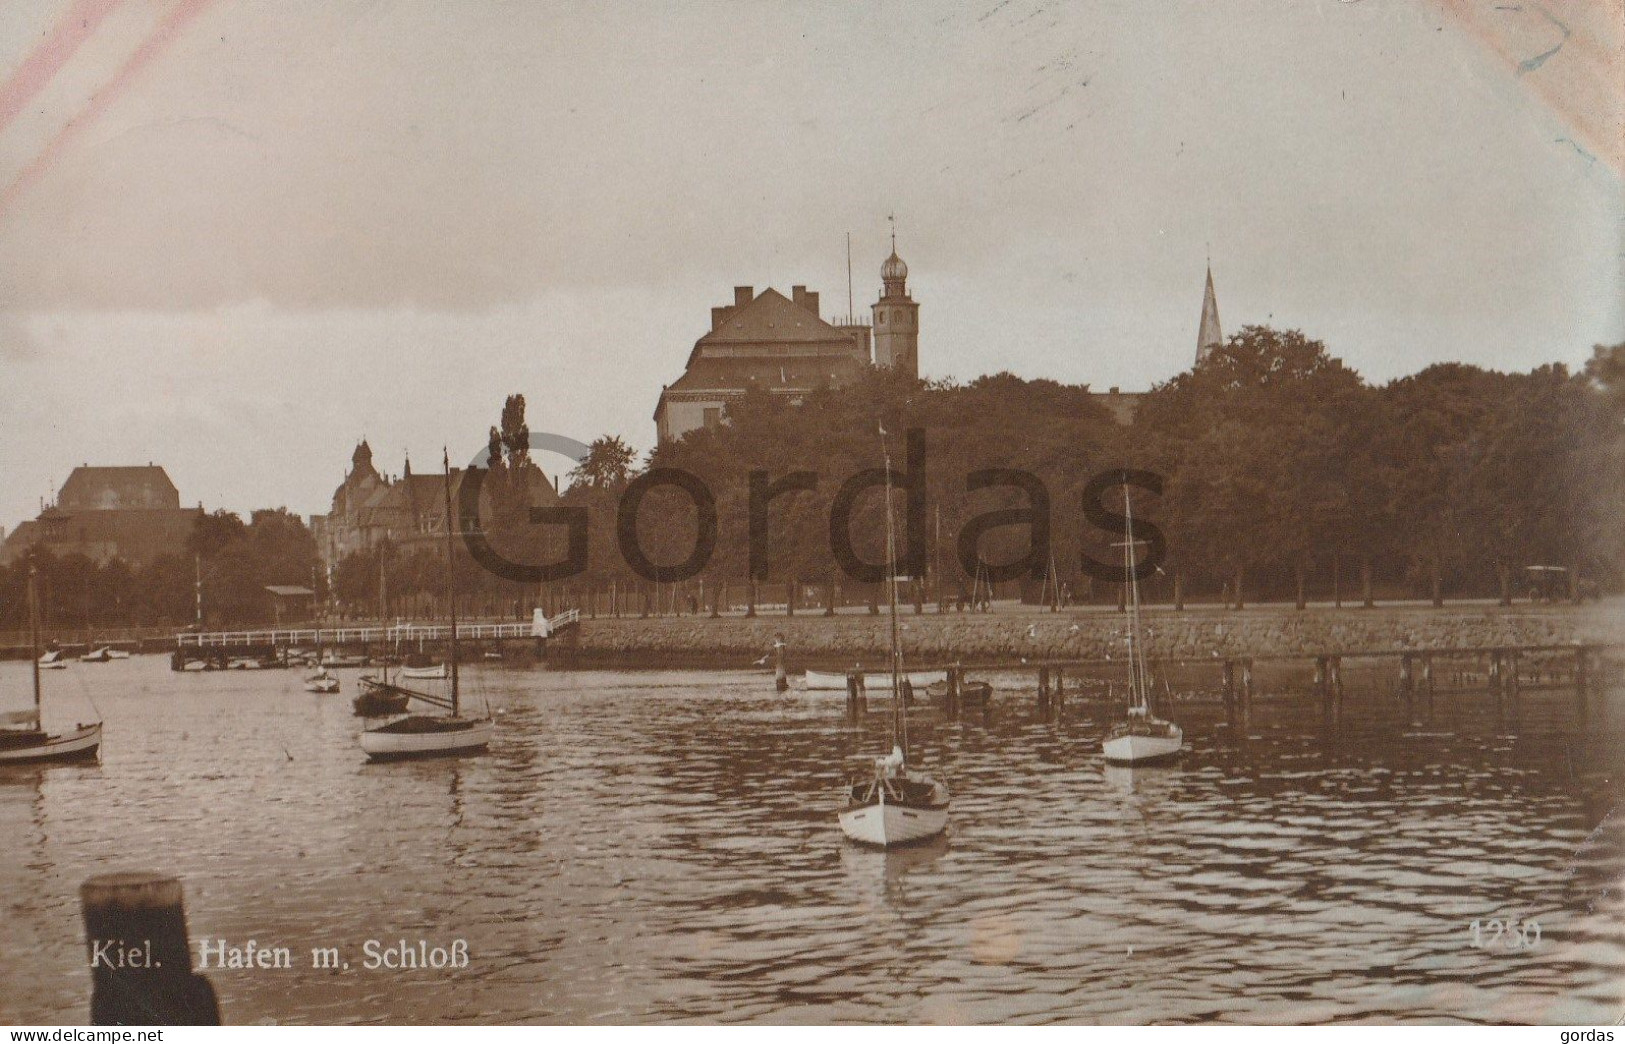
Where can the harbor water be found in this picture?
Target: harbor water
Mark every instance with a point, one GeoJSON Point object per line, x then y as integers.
{"type": "Point", "coordinates": [649, 846]}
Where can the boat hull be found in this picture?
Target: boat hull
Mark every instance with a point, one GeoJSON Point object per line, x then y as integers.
{"type": "Point", "coordinates": [889, 825]}
{"type": "Point", "coordinates": [1139, 749]}
{"type": "Point", "coordinates": [425, 673]}
{"type": "Point", "coordinates": [820, 681]}
{"type": "Point", "coordinates": [383, 745]}
{"type": "Point", "coordinates": [81, 744]}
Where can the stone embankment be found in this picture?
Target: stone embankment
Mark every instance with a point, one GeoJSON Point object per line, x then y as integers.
{"type": "Point", "coordinates": [813, 639]}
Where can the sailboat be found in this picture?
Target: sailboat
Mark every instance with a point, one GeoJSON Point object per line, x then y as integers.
{"type": "Point", "coordinates": [897, 804]}
{"type": "Point", "coordinates": [1141, 738]}
{"type": "Point", "coordinates": [26, 741]}
{"type": "Point", "coordinates": [321, 682]}
{"type": "Point", "coordinates": [429, 735]}
{"type": "Point", "coordinates": [53, 661]}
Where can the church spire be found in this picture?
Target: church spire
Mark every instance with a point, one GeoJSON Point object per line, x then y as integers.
{"type": "Point", "coordinates": [1208, 335]}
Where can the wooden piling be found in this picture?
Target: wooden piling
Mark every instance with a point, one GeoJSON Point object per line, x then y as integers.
{"type": "Point", "coordinates": [1581, 683]}
{"type": "Point", "coordinates": [1230, 708]}
{"type": "Point", "coordinates": [140, 955]}
{"type": "Point", "coordinates": [1246, 694]}
{"type": "Point", "coordinates": [1058, 697]}
{"type": "Point", "coordinates": [781, 679]}
{"type": "Point", "coordinates": [951, 701]}
{"type": "Point", "coordinates": [789, 598]}
{"type": "Point", "coordinates": [1043, 692]}
{"type": "Point", "coordinates": [854, 681]}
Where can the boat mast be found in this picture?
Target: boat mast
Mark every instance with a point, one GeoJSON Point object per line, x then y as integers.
{"type": "Point", "coordinates": [1137, 669]}
{"type": "Point", "coordinates": [33, 633]}
{"type": "Point", "coordinates": [451, 583]}
{"type": "Point", "coordinates": [899, 715]}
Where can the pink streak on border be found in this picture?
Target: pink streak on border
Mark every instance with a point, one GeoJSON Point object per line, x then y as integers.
{"type": "Point", "coordinates": [37, 70]}
{"type": "Point", "coordinates": [154, 45]}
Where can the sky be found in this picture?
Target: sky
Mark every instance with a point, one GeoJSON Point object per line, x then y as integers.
{"type": "Point", "coordinates": [237, 237]}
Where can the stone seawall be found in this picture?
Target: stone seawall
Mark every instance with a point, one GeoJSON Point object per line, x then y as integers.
{"type": "Point", "coordinates": [816, 640]}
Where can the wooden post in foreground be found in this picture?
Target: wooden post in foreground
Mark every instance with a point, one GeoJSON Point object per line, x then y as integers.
{"type": "Point", "coordinates": [140, 958]}
{"type": "Point", "coordinates": [781, 679]}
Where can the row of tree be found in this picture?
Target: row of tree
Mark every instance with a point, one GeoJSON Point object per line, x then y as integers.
{"type": "Point", "coordinates": [229, 560]}
{"type": "Point", "coordinates": [1282, 471]}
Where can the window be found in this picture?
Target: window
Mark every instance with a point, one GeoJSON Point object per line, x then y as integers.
{"type": "Point", "coordinates": [882, 318]}
{"type": "Point", "coordinates": [713, 416]}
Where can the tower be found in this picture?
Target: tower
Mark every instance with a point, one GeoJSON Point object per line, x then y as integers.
{"type": "Point", "coordinates": [1208, 335]}
{"type": "Point", "coordinates": [897, 318]}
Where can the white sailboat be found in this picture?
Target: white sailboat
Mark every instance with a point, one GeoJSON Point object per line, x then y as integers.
{"type": "Point", "coordinates": [53, 661]}
{"type": "Point", "coordinates": [1142, 737]}
{"type": "Point", "coordinates": [897, 804]}
{"type": "Point", "coordinates": [23, 740]}
{"type": "Point", "coordinates": [432, 735]}
{"type": "Point", "coordinates": [321, 682]}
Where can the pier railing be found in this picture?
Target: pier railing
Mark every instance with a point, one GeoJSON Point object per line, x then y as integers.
{"type": "Point", "coordinates": [375, 635]}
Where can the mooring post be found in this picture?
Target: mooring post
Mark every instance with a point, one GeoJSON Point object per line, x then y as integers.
{"type": "Point", "coordinates": [1334, 679]}
{"type": "Point", "coordinates": [1230, 693]}
{"type": "Point", "coordinates": [952, 699]}
{"type": "Point", "coordinates": [1323, 687]}
{"type": "Point", "coordinates": [781, 679]}
{"type": "Point", "coordinates": [718, 592]}
{"type": "Point", "coordinates": [1514, 668]}
{"type": "Point", "coordinates": [853, 681]}
{"type": "Point", "coordinates": [1246, 694]}
{"type": "Point", "coordinates": [140, 956]}
{"type": "Point", "coordinates": [1043, 691]}
{"type": "Point", "coordinates": [789, 598]}
{"type": "Point", "coordinates": [1058, 702]}
{"type": "Point", "coordinates": [1427, 681]}
{"type": "Point", "coordinates": [1581, 682]}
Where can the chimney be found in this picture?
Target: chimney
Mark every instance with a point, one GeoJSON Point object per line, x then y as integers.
{"type": "Point", "coordinates": [812, 302]}
{"type": "Point", "coordinates": [743, 295]}
{"type": "Point", "coordinates": [1114, 390]}
{"type": "Point", "coordinates": [798, 295]}
{"type": "Point", "coordinates": [720, 315]}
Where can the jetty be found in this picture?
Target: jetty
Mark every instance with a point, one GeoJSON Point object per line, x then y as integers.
{"type": "Point", "coordinates": [273, 643]}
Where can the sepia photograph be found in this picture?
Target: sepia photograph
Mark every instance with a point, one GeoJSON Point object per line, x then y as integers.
{"type": "Point", "coordinates": [861, 513]}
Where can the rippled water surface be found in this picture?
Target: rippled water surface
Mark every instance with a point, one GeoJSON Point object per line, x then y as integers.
{"type": "Point", "coordinates": [647, 847]}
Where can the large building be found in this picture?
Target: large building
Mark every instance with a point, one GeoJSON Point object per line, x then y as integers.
{"type": "Point", "coordinates": [409, 511]}
{"type": "Point", "coordinates": [104, 513]}
{"type": "Point", "coordinates": [783, 346]}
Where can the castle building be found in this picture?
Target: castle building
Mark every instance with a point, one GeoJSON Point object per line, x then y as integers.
{"type": "Point", "coordinates": [409, 511]}
{"type": "Point", "coordinates": [782, 345]}
{"type": "Point", "coordinates": [133, 514]}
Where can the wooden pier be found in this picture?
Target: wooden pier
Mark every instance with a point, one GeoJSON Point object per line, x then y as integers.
{"type": "Point", "coordinates": [1502, 673]}
{"type": "Point", "coordinates": [210, 646]}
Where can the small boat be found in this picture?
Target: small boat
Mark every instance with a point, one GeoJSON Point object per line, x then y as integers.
{"type": "Point", "coordinates": [101, 655]}
{"type": "Point", "coordinates": [321, 682]}
{"type": "Point", "coordinates": [117, 654]}
{"type": "Point", "coordinates": [1142, 738]}
{"type": "Point", "coordinates": [824, 681]}
{"type": "Point", "coordinates": [971, 693]}
{"type": "Point", "coordinates": [435, 672]}
{"type": "Point", "coordinates": [433, 735]}
{"type": "Point", "coordinates": [53, 661]}
{"type": "Point", "coordinates": [24, 740]}
{"type": "Point", "coordinates": [897, 804]}
{"type": "Point", "coordinates": [337, 660]}
{"type": "Point", "coordinates": [195, 665]}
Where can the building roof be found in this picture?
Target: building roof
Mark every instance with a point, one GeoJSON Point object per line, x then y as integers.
{"type": "Point", "coordinates": [117, 488]}
{"type": "Point", "coordinates": [136, 535]}
{"type": "Point", "coordinates": [773, 318]}
{"type": "Point", "coordinates": [1208, 335]}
